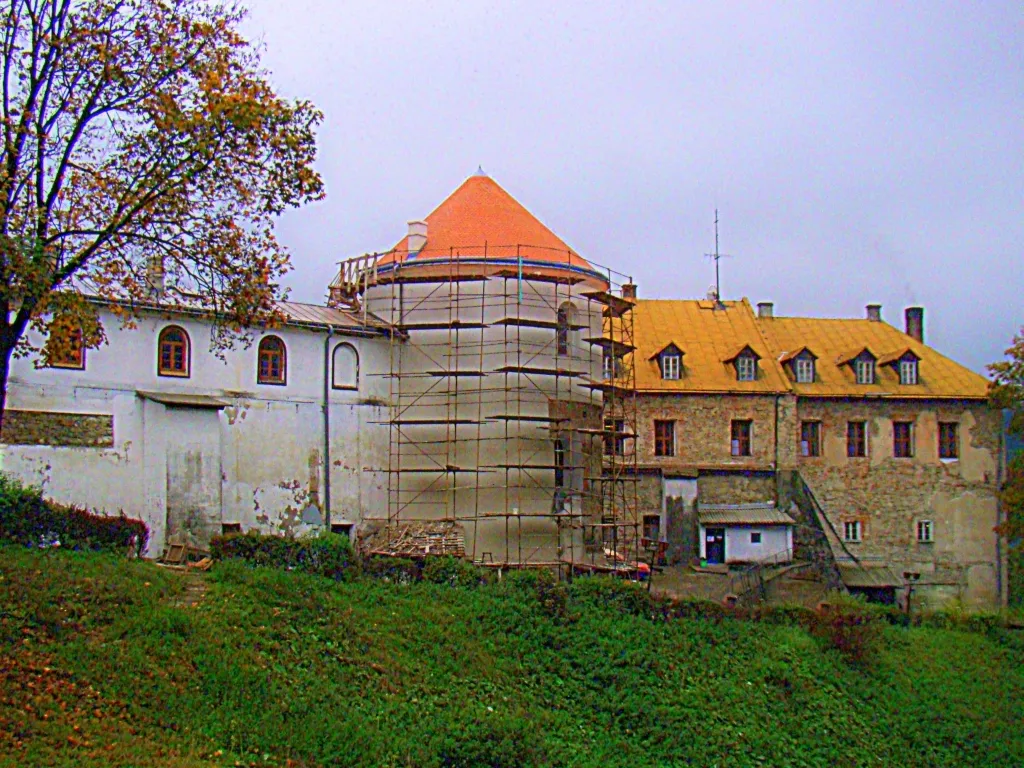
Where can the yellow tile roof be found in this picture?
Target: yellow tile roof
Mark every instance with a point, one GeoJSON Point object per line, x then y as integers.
{"type": "Point", "coordinates": [832, 340]}
{"type": "Point", "coordinates": [708, 336]}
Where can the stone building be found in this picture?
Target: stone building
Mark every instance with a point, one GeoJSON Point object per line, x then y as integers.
{"type": "Point", "coordinates": [850, 426]}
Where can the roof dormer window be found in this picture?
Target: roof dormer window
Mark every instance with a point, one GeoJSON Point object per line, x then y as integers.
{"type": "Point", "coordinates": [803, 367]}
{"type": "Point", "coordinates": [864, 369]}
{"type": "Point", "coordinates": [746, 367]}
{"type": "Point", "coordinates": [745, 360]}
{"type": "Point", "coordinates": [908, 371]}
{"type": "Point", "coordinates": [670, 365]}
{"type": "Point", "coordinates": [670, 362]}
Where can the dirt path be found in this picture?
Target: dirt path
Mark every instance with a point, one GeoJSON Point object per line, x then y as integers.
{"type": "Point", "coordinates": [194, 591]}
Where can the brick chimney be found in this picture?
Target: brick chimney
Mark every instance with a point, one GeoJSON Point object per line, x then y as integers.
{"type": "Point", "coordinates": [629, 290]}
{"type": "Point", "coordinates": [417, 236]}
{"type": "Point", "coordinates": [875, 312]}
{"type": "Point", "coordinates": [765, 309]}
{"type": "Point", "coordinates": [155, 276]}
{"type": "Point", "coordinates": [914, 317]}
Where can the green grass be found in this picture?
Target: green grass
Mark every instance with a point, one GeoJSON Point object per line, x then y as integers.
{"type": "Point", "coordinates": [276, 668]}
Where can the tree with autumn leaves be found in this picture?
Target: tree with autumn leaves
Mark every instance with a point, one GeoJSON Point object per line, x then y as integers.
{"type": "Point", "coordinates": [1007, 391]}
{"type": "Point", "coordinates": [141, 138]}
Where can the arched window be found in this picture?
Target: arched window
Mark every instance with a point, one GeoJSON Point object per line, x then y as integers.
{"type": "Point", "coordinates": [272, 361]}
{"type": "Point", "coordinates": [345, 367]}
{"type": "Point", "coordinates": [173, 355]}
{"type": "Point", "coordinates": [566, 316]}
{"type": "Point", "coordinates": [64, 349]}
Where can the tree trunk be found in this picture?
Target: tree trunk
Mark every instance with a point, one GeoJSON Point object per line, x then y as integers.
{"type": "Point", "coordinates": [5, 369]}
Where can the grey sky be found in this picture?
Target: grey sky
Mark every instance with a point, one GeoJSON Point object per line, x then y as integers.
{"type": "Point", "coordinates": [857, 152]}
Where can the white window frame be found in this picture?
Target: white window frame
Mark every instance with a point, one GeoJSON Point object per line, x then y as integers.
{"type": "Point", "coordinates": [607, 365]}
{"type": "Point", "coordinates": [852, 530]}
{"type": "Point", "coordinates": [804, 368]}
{"type": "Point", "coordinates": [925, 531]}
{"type": "Point", "coordinates": [908, 372]}
{"type": "Point", "coordinates": [670, 367]}
{"type": "Point", "coordinates": [760, 538]}
{"type": "Point", "coordinates": [865, 370]}
{"type": "Point", "coordinates": [746, 368]}
{"type": "Point", "coordinates": [340, 378]}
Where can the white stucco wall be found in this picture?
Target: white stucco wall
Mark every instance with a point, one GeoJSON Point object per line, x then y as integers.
{"type": "Point", "coordinates": [775, 540]}
{"type": "Point", "coordinates": [271, 437]}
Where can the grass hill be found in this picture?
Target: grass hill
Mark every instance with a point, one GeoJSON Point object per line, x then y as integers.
{"type": "Point", "coordinates": [109, 662]}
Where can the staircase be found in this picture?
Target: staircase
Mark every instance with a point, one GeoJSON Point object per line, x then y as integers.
{"type": "Point", "coordinates": [810, 542]}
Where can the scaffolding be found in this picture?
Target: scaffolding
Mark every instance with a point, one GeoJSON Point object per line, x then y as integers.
{"type": "Point", "coordinates": [511, 405]}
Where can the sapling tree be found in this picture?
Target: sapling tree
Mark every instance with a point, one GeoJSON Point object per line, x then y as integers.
{"type": "Point", "coordinates": [144, 154]}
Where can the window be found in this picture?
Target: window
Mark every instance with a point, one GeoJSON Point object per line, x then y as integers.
{"type": "Point", "coordinates": [652, 527]}
{"type": "Point", "coordinates": [174, 352]}
{"type": "Point", "coordinates": [346, 367]}
{"type": "Point", "coordinates": [856, 439]}
{"type": "Point", "coordinates": [852, 530]}
{"type": "Point", "coordinates": [64, 349]}
{"type": "Point", "coordinates": [746, 367]}
{"type": "Point", "coordinates": [740, 434]}
{"type": "Point", "coordinates": [908, 371]}
{"type": "Point", "coordinates": [559, 464]}
{"type": "Point", "coordinates": [864, 367]}
{"type": "Point", "coordinates": [755, 537]}
{"type": "Point", "coordinates": [949, 440]}
{"type": "Point", "coordinates": [270, 367]}
{"type": "Point", "coordinates": [902, 439]}
{"type": "Point", "coordinates": [342, 529]}
{"type": "Point", "coordinates": [810, 438]}
{"type": "Point", "coordinates": [564, 326]}
{"type": "Point", "coordinates": [924, 531]}
{"type": "Point", "coordinates": [664, 438]}
{"type": "Point", "coordinates": [670, 365]}
{"type": "Point", "coordinates": [804, 368]}
{"type": "Point", "coordinates": [614, 444]}
{"type": "Point", "coordinates": [229, 528]}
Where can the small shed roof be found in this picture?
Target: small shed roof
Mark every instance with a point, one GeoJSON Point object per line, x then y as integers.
{"type": "Point", "coordinates": [762, 513]}
{"type": "Point", "coordinates": [854, 575]}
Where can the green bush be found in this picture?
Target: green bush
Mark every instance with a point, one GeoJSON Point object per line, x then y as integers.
{"type": "Point", "coordinates": [851, 626]}
{"type": "Point", "coordinates": [453, 572]}
{"type": "Point", "coordinates": [329, 554]}
{"type": "Point", "coordinates": [29, 519]}
{"type": "Point", "coordinates": [397, 570]}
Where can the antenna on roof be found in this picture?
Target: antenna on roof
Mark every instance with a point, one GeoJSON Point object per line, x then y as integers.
{"type": "Point", "coordinates": [716, 256]}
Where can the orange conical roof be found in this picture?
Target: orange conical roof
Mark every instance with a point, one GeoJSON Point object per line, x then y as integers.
{"type": "Point", "coordinates": [481, 220]}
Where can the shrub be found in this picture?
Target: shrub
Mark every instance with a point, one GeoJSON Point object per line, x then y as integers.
{"type": "Point", "coordinates": [617, 594]}
{"type": "Point", "coordinates": [27, 518]}
{"type": "Point", "coordinates": [397, 570]}
{"type": "Point", "coordinates": [329, 554]}
{"type": "Point", "coordinates": [453, 572]}
{"type": "Point", "coordinates": [850, 626]}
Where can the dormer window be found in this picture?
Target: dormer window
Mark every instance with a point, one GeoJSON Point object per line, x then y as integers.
{"type": "Point", "coordinates": [864, 368]}
{"type": "Point", "coordinates": [670, 362]}
{"type": "Point", "coordinates": [908, 371]}
{"type": "Point", "coordinates": [670, 365]}
{"type": "Point", "coordinates": [745, 360]}
{"type": "Point", "coordinates": [746, 367]}
{"type": "Point", "coordinates": [804, 369]}
{"type": "Point", "coordinates": [905, 363]}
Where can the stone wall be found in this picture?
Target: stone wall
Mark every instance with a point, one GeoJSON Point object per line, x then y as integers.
{"type": "Point", "coordinates": [890, 495]}
{"type": "Point", "coordinates": [735, 487]}
{"type": "Point", "coordinates": [22, 427]}
{"type": "Point", "coordinates": [702, 429]}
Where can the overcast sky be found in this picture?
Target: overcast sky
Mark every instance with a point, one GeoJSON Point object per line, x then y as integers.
{"type": "Point", "coordinates": [857, 152]}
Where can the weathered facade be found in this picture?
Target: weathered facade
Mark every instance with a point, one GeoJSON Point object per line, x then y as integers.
{"type": "Point", "coordinates": [850, 425]}
{"type": "Point", "coordinates": [209, 448]}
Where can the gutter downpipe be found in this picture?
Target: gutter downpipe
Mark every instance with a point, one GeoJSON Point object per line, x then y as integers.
{"type": "Point", "coordinates": [327, 429]}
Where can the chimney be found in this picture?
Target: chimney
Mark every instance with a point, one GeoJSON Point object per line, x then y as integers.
{"type": "Point", "coordinates": [875, 312]}
{"type": "Point", "coordinates": [629, 290]}
{"type": "Point", "coordinates": [417, 236]}
{"type": "Point", "coordinates": [155, 276]}
{"type": "Point", "coordinates": [765, 309]}
{"type": "Point", "coordinates": [915, 322]}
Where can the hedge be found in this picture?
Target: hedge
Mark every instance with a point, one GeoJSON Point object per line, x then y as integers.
{"type": "Point", "coordinates": [29, 519]}
{"type": "Point", "coordinates": [329, 555]}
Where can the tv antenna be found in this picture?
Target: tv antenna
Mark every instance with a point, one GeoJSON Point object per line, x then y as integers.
{"type": "Point", "coordinates": [716, 256]}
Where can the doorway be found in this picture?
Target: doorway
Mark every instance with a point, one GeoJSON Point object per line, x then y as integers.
{"type": "Point", "coordinates": [193, 475]}
{"type": "Point", "coordinates": [714, 545]}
